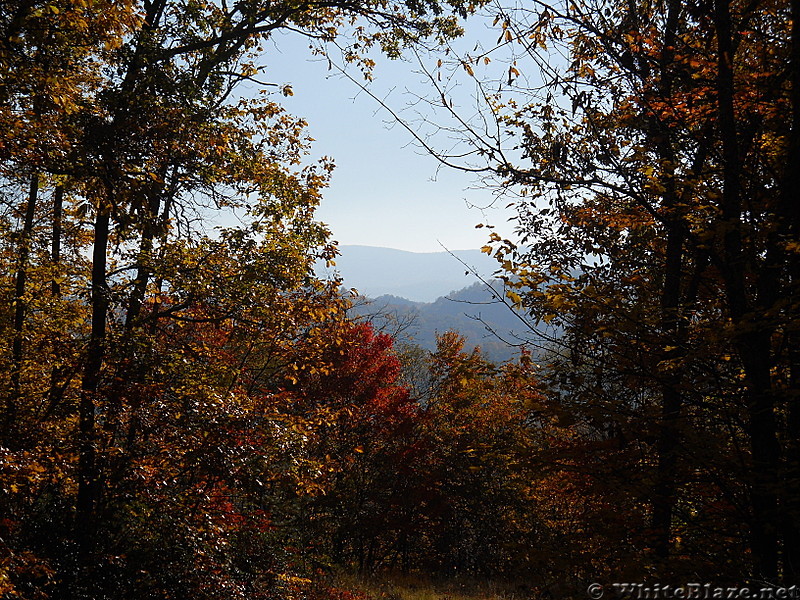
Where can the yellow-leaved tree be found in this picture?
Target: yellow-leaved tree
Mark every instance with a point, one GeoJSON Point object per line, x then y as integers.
{"type": "Point", "coordinates": [146, 353]}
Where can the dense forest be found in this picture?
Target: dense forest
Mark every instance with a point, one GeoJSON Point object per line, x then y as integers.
{"type": "Point", "coordinates": [188, 412]}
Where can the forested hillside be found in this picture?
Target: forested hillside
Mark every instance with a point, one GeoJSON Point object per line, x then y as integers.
{"type": "Point", "coordinates": [189, 412]}
{"type": "Point", "coordinates": [480, 313]}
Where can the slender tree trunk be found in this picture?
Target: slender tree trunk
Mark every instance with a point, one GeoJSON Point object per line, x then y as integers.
{"type": "Point", "coordinates": [20, 309]}
{"type": "Point", "coordinates": [668, 443]}
{"type": "Point", "coordinates": [138, 295]}
{"type": "Point", "coordinates": [58, 384]}
{"type": "Point", "coordinates": [671, 400]}
{"type": "Point", "coordinates": [790, 213]}
{"type": "Point", "coordinates": [753, 347]}
{"type": "Point", "coordinates": [88, 476]}
{"type": "Point", "coordinates": [55, 247]}
{"type": "Point", "coordinates": [755, 351]}
{"type": "Point", "coordinates": [791, 509]}
{"type": "Point", "coordinates": [131, 371]}
{"type": "Point", "coordinates": [159, 282]}
{"type": "Point", "coordinates": [150, 228]}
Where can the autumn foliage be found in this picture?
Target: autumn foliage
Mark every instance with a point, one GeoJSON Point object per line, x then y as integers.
{"type": "Point", "coordinates": [158, 302]}
{"type": "Point", "coordinates": [189, 412]}
{"type": "Point", "coordinates": [654, 176]}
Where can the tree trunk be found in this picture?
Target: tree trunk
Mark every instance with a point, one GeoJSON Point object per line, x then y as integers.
{"type": "Point", "coordinates": [55, 248]}
{"type": "Point", "coordinates": [755, 351]}
{"type": "Point", "coordinates": [88, 476]}
{"type": "Point", "coordinates": [668, 442]}
{"type": "Point", "coordinates": [753, 348]}
{"type": "Point", "coordinates": [791, 508]}
{"type": "Point", "coordinates": [790, 213]}
{"type": "Point", "coordinates": [56, 391]}
{"type": "Point", "coordinates": [19, 312]}
{"type": "Point", "coordinates": [671, 401]}
{"type": "Point", "coordinates": [143, 271]}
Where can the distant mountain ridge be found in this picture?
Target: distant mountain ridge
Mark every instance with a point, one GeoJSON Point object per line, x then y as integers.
{"type": "Point", "coordinates": [475, 311]}
{"type": "Point", "coordinates": [416, 276]}
{"type": "Point", "coordinates": [415, 296]}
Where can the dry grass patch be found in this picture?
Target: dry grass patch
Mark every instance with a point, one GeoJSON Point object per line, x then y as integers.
{"type": "Point", "coordinates": [419, 587]}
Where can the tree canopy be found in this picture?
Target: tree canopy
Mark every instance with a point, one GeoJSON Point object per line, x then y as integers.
{"type": "Point", "coordinates": [148, 355]}
{"type": "Point", "coordinates": [650, 150]}
{"type": "Point", "coordinates": [189, 412]}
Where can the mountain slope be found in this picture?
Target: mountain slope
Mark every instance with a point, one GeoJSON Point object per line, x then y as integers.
{"type": "Point", "coordinates": [474, 311]}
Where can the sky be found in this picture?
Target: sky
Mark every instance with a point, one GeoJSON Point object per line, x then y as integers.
{"type": "Point", "coordinates": [386, 191]}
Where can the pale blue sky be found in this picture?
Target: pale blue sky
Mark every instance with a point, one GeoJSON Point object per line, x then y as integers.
{"type": "Point", "coordinates": [386, 191]}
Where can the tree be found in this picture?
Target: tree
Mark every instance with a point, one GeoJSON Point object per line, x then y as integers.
{"type": "Point", "coordinates": [124, 116]}
{"type": "Point", "coordinates": [480, 429]}
{"type": "Point", "coordinates": [367, 442]}
{"type": "Point", "coordinates": [654, 167]}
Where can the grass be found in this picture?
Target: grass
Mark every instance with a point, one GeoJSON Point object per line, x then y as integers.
{"type": "Point", "coordinates": [419, 587]}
